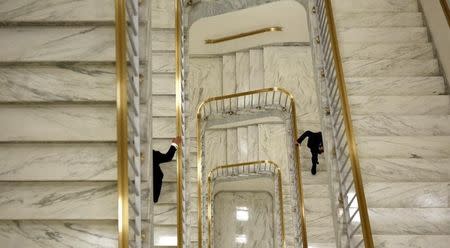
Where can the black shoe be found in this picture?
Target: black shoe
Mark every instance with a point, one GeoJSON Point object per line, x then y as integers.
{"type": "Point", "coordinates": [313, 169]}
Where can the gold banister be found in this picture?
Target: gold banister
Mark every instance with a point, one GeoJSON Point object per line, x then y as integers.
{"type": "Point", "coordinates": [353, 152]}
{"type": "Point", "coordinates": [244, 34]}
{"type": "Point", "coordinates": [122, 123]}
{"type": "Point", "coordinates": [446, 10]}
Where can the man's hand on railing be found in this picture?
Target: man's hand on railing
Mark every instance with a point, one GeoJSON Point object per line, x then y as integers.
{"type": "Point", "coordinates": [177, 140]}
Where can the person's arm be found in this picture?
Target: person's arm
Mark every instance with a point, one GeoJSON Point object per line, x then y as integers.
{"type": "Point", "coordinates": [173, 148]}
{"type": "Point", "coordinates": [303, 136]}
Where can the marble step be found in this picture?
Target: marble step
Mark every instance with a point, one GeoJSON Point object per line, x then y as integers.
{"type": "Point", "coordinates": [375, 6]}
{"type": "Point", "coordinates": [410, 221]}
{"type": "Point", "coordinates": [407, 195]}
{"type": "Point", "coordinates": [58, 161]}
{"type": "Point", "coordinates": [400, 105]}
{"type": "Point", "coordinates": [232, 148]}
{"type": "Point", "coordinates": [395, 86]}
{"type": "Point", "coordinates": [404, 125]}
{"type": "Point", "coordinates": [62, 82]}
{"type": "Point", "coordinates": [58, 233]}
{"type": "Point", "coordinates": [318, 212]}
{"type": "Point", "coordinates": [165, 235]}
{"type": "Point", "coordinates": [229, 74]}
{"type": "Point", "coordinates": [242, 71]}
{"type": "Point", "coordinates": [253, 142]}
{"type": "Point", "coordinates": [383, 35]}
{"type": "Point", "coordinates": [168, 193]}
{"type": "Point", "coordinates": [164, 127]}
{"type": "Point", "coordinates": [256, 69]}
{"type": "Point", "coordinates": [242, 144]}
{"type": "Point", "coordinates": [163, 84]}
{"type": "Point", "coordinates": [163, 62]}
{"type": "Point", "coordinates": [391, 68]}
{"type": "Point", "coordinates": [163, 40]}
{"type": "Point", "coordinates": [162, 14]}
{"type": "Point", "coordinates": [427, 147]}
{"type": "Point", "coordinates": [216, 148]}
{"type": "Point", "coordinates": [366, 51]}
{"type": "Point", "coordinates": [405, 170]}
{"type": "Point", "coordinates": [417, 241]}
{"type": "Point", "coordinates": [320, 235]}
{"type": "Point", "coordinates": [165, 214]}
{"type": "Point", "coordinates": [378, 19]}
{"type": "Point", "coordinates": [163, 106]}
{"type": "Point", "coordinates": [50, 200]}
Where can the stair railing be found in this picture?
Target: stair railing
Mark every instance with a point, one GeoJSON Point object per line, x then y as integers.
{"type": "Point", "coordinates": [275, 99]}
{"type": "Point", "coordinates": [128, 115]}
{"type": "Point", "coordinates": [248, 170]}
{"type": "Point", "coordinates": [353, 213]}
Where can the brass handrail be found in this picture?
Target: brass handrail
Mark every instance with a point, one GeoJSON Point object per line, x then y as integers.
{"type": "Point", "coordinates": [245, 34]}
{"type": "Point", "coordinates": [353, 152]}
{"type": "Point", "coordinates": [296, 154]}
{"type": "Point", "coordinates": [446, 10]}
{"type": "Point", "coordinates": [280, 193]}
{"type": "Point", "coordinates": [122, 123]}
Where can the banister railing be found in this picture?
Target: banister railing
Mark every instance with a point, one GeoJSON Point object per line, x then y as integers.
{"type": "Point", "coordinates": [240, 171]}
{"type": "Point", "coordinates": [244, 34]}
{"type": "Point", "coordinates": [128, 119]}
{"type": "Point", "coordinates": [354, 214]}
{"type": "Point", "coordinates": [263, 99]}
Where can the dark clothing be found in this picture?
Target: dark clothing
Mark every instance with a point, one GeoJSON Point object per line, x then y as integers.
{"type": "Point", "coordinates": [159, 158]}
{"type": "Point", "coordinates": [314, 144]}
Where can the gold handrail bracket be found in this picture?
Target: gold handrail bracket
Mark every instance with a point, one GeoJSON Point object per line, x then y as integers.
{"type": "Point", "coordinates": [122, 124]}
{"type": "Point", "coordinates": [245, 34]}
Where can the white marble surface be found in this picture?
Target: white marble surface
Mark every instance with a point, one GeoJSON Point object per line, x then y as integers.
{"type": "Point", "coordinates": [83, 161]}
{"type": "Point", "coordinates": [405, 125]}
{"type": "Point", "coordinates": [257, 231]}
{"type": "Point", "coordinates": [163, 106]}
{"type": "Point", "coordinates": [256, 69]}
{"type": "Point", "coordinates": [165, 214]}
{"type": "Point", "coordinates": [400, 105]}
{"type": "Point", "coordinates": [64, 82]}
{"type": "Point", "coordinates": [253, 143]}
{"type": "Point", "coordinates": [411, 241]}
{"type": "Point", "coordinates": [404, 147]}
{"type": "Point", "coordinates": [359, 51]}
{"type": "Point", "coordinates": [242, 144]}
{"type": "Point", "coordinates": [391, 68]}
{"type": "Point", "coordinates": [232, 148]}
{"type": "Point", "coordinates": [229, 74]}
{"type": "Point", "coordinates": [379, 5]}
{"type": "Point", "coordinates": [58, 122]}
{"type": "Point", "coordinates": [163, 40]}
{"type": "Point", "coordinates": [273, 146]}
{"type": "Point", "coordinates": [88, 43]}
{"type": "Point", "coordinates": [57, 234]}
{"type": "Point", "coordinates": [395, 86]}
{"type": "Point", "coordinates": [163, 62]}
{"type": "Point", "coordinates": [163, 14]}
{"type": "Point", "coordinates": [163, 84]}
{"type": "Point", "coordinates": [378, 19]}
{"type": "Point", "coordinates": [215, 149]}
{"type": "Point", "coordinates": [383, 34]}
{"type": "Point", "coordinates": [164, 127]}
{"type": "Point", "coordinates": [242, 71]}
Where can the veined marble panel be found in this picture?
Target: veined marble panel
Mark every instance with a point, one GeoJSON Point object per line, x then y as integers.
{"type": "Point", "coordinates": [253, 143]}
{"type": "Point", "coordinates": [58, 234]}
{"type": "Point", "coordinates": [256, 69]}
{"type": "Point", "coordinates": [56, 10]}
{"type": "Point", "coordinates": [405, 170]}
{"type": "Point", "coordinates": [320, 235]}
{"type": "Point", "coordinates": [404, 147]}
{"type": "Point", "coordinates": [378, 19]}
{"type": "Point", "coordinates": [164, 127]}
{"type": "Point", "coordinates": [58, 122]}
{"type": "Point", "coordinates": [163, 14]}
{"type": "Point", "coordinates": [406, 125]}
{"type": "Point", "coordinates": [229, 74]}
{"type": "Point", "coordinates": [163, 106]}
{"type": "Point", "coordinates": [242, 144]}
{"type": "Point", "coordinates": [165, 214]}
{"type": "Point", "coordinates": [56, 200]}
{"type": "Point", "coordinates": [163, 84]}
{"type": "Point", "coordinates": [316, 191]}
{"type": "Point", "coordinates": [383, 34]}
{"type": "Point", "coordinates": [163, 62]}
{"type": "Point", "coordinates": [63, 82]}
{"type": "Point", "coordinates": [168, 193]}
{"type": "Point", "coordinates": [90, 43]}
{"type": "Point", "coordinates": [243, 219]}
{"type": "Point", "coordinates": [46, 161]}
{"type": "Point", "coordinates": [320, 178]}
{"type": "Point", "coordinates": [215, 149]}
{"type": "Point", "coordinates": [391, 68]}
{"type": "Point", "coordinates": [355, 51]}
{"type": "Point", "coordinates": [379, 5]}
{"type": "Point", "coordinates": [291, 68]}
{"type": "Point", "coordinates": [411, 241]}
{"type": "Point", "coordinates": [242, 71]}
{"type": "Point", "coordinates": [170, 170]}
{"type": "Point", "coordinates": [165, 235]}
{"type": "Point", "coordinates": [163, 40]}
{"type": "Point", "coordinates": [395, 86]}
{"type": "Point", "coordinates": [318, 212]}
{"type": "Point", "coordinates": [400, 105]}
{"type": "Point", "coordinates": [416, 221]}
{"type": "Point", "coordinates": [232, 148]}
{"type": "Point", "coordinates": [273, 146]}
{"type": "Point", "coordinates": [406, 195]}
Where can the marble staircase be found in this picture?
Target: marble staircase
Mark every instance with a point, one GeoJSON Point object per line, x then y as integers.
{"type": "Point", "coordinates": [401, 115]}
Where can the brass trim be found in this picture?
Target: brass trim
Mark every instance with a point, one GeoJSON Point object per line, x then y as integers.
{"type": "Point", "coordinates": [179, 121]}
{"type": "Point", "coordinates": [353, 152]}
{"type": "Point", "coordinates": [280, 194]}
{"type": "Point", "coordinates": [245, 34]}
{"type": "Point", "coordinates": [122, 123]}
{"type": "Point", "coordinates": [296, 156]}
{"type": "Point", "coordinates": [446, 10]}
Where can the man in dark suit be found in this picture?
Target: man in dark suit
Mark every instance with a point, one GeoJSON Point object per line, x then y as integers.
{"type": "Point", "coordinates": [315, 145]}
{"type": "Point", "coordinates": [159, 158]}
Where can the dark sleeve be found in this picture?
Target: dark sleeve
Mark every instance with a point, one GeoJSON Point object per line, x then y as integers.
{"type": "Point", "coordinates": [303, 136]}
{"type": "Point", "coordinates": [164, 158]}
{"type": "Point", "coordinates": [314, 158]}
